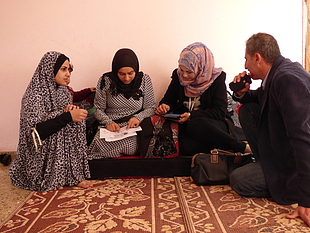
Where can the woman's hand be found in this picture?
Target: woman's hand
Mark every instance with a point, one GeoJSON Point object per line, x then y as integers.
{"type": "Point", "coordinates": [113, 127]}
{"type": "Point", "coordinates": [184, 117]}
{"type": "Point", "coordinates": [133, 123]}
{"type": "Point", "coordinates": [70, 107]}
{"type": "Point", "coordinates": [162, 109]}
{"type": "Point", "coordinates": [78, 115]}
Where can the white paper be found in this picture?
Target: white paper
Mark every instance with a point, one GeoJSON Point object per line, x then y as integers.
{"type": "Point", "coordinates": [123, 133]}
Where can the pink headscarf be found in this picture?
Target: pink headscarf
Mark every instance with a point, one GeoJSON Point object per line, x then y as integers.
{"type": "Point", "coordinates": [199, 59]}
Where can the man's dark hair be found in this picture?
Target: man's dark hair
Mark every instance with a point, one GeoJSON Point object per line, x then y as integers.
{"type": "Point", "coordinates": [264, 44]}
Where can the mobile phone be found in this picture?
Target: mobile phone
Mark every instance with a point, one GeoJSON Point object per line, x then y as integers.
{"type": "Point", "coordinates": [172, 116]}
{"type": "Point", "coordinates": [235, 87]}
{"type": "Point", "coordinates": [91, 111]}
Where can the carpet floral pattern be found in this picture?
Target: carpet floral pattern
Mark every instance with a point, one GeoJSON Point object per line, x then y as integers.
{"type": "Point", "coordinates": [150, 205]}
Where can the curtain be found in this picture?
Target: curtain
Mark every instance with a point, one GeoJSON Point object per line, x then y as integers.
{"type": "Point", "coordinates": [307, 44]}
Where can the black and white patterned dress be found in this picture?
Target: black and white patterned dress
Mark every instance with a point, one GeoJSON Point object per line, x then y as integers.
{"type": "Point", "coordinates": [110, 108]}
{"type": "Point", "coordinates": [61, 160]}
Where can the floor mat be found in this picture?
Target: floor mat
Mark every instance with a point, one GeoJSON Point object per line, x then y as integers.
{"type": "Point", "coordinates": [150, 205]}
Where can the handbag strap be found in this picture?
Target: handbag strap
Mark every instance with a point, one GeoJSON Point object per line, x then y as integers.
{"type": "Point", "coordinates": [216, 152]}
{"type": "Point", "coordinates": [226, 152]}
{"type": "Point", "coordinates": [193, 159]}
{"type": "Point", "coordinates": [214, 156]}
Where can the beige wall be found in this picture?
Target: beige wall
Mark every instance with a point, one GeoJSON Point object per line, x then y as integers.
{"type": "Point", "coordinates": [90, 32]}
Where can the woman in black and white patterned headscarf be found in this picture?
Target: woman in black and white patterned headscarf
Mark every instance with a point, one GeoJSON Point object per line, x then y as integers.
{"type": "Point", "coordinates": [124, 97]}
{"type": "Point", "coordinates": [52, 143]}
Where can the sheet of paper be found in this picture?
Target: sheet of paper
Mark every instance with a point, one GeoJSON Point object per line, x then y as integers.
{"type": "Point", "coordinates": [114, 136]}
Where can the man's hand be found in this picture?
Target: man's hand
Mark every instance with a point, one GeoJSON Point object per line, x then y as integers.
{"type": "Point", "coordinates": [237, 79]}
{"type": "Point", "coordinates": [302, 212]}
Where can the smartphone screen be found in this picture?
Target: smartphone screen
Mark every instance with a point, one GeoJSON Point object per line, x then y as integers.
{"type": "Point", "coordinates": [172, 116]}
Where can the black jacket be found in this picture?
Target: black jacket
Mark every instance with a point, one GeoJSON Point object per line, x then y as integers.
{"type": "Point", "coordinates": [284, 131]}
{"type": "Point", "coordinates": [213, 100]}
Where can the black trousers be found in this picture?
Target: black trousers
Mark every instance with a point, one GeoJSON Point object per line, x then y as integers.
{"type": "Point", "coordinates": [204, 134]}
{"type": "Point", "coordinates": [248, 117]}
{"type": "Point", "coordinates": [249, 180]}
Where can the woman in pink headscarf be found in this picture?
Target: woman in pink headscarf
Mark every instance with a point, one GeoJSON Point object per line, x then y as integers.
{"type": "Point", "coordinates": [197, 91]}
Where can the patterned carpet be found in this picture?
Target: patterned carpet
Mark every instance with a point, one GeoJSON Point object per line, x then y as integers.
{"type": "Point", "coordinates": [150, 205]}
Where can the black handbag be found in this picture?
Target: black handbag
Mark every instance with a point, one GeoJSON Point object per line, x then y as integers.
{"type": "Point", "coordinates": [214, 168]}
{"type": "Point", "coordinates": [161, 144]}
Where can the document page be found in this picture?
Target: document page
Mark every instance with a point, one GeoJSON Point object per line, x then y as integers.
{"type": "Point", "coordinates": [114, 136]}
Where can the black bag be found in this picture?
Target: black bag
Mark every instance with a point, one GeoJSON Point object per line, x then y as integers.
{"type": "Point", "coordinates": [158, 138]}
{"type": "Point", "coordinates": [161, 145]}
{"type": "Point", "coordinates": [91, 128]}
{"type": "Point", "coordinates": [214, 168]}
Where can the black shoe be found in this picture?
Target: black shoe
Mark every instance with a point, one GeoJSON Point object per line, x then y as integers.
{"type": "Point", "coordinates": [5, 159]}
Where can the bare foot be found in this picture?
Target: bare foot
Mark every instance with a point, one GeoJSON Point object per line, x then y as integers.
{"type": "Point", "coordinates": [85, 184]}
{"type": "Point", "coordinates": [247, 149]}
{"type": "Point", "coordinates": [59, 188]}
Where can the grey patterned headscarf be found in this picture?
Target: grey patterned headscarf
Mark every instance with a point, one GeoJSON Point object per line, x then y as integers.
{"type": "Point", "coordinates": [61, 159]}
{"type": "Point", "coordinates": [198, 58]}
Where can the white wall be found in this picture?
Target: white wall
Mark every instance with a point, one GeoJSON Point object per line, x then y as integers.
{"type": "Point", "coordinates": [90, 32]}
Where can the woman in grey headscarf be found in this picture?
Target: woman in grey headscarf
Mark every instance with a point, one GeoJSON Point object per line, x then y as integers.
{"type": "Point", "coordinates": [197, 91]}
{"type": "Point", "coordinates": [52, 143]}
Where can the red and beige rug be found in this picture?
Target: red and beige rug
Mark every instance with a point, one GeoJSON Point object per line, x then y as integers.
{"type": "Point", "coordinates": [150, 205]}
